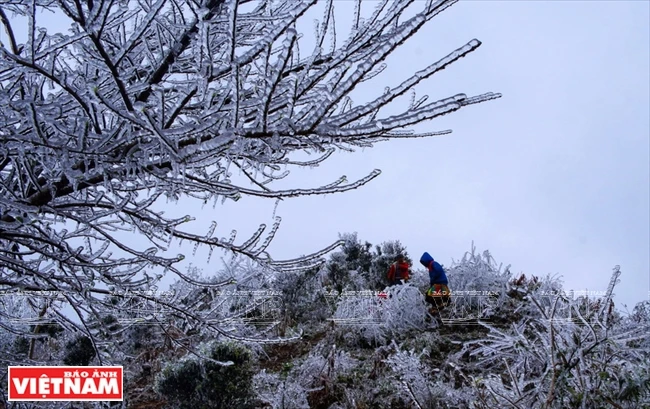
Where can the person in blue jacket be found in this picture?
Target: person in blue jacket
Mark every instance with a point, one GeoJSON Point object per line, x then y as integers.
{"type": "Point", "coordinates": [438, 294]}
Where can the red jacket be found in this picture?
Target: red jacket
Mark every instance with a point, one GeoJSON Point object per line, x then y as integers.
{"type": "Point", "coordinates": [402, 270]}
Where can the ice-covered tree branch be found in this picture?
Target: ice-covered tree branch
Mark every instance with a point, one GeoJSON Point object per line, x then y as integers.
{"type": "Point", "coordinates": [138, 102]}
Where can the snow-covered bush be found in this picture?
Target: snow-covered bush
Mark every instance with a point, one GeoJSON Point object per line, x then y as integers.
{"type": "Point", "coordinates": [313, 381]}
{"type": "Point", "coordinates": [352, 267]}
{"type": "Point", "coordinates": [339, 274]}
{"type": "Point", "coordinates": [410, 377]}
{"type": "Point", "coordinates": [564, 356]}
{"type": "Point", "coordinates": [420, 384]}
{"type": "Point", "coordinates": [304, 300]}
{"type": "Point", "coordinates": [366, 318]}
{"type": "Point", "coordinates": [478, 286]}
{"type": "Point", "coordinates": [242, 295]}
{"type": "Point", "coordinates": [79, 352]}
{"type": "Point", "coordinates": [222, 381]}
{"type": "Point", "coordinates": [640, 316]}
{"type": "Point", "coordinates": [354, 277]}
{"type": "Point", "coordinates": [280, 392]}
{"type": "Point", "coordinates": [360, 266]}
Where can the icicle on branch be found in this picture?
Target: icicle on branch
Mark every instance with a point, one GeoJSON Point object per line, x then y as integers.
{"type": "Point", "coordinates": [134, 108]}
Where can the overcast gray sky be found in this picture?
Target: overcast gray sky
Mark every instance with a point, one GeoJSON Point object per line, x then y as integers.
{"type": "Point", "coordinates": [552, 178]}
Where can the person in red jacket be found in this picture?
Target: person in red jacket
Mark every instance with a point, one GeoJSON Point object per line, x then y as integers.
{"type": "Point", "coordinates": [399, 272]}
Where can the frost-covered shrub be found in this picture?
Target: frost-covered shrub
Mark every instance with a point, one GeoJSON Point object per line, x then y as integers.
{"type": "Point", "coordinates": [564, 355]}
{"type": "Point", "coordinates": [322, 372]}
{"type": "Point", "coordinates": [310, 296]}
{"type": "Point", "coordinates": [535, 296]}
{"type": "Point", "coordinates": [350, 267]}
{"type": "Point", "coordinates": [240, 295]}
{"type": "Point", "coordinates": [338, 275]}
{"type": "Point", "coordinates": [280, 392]}
{"type": "Point", "coordinates": [417, 383]}
{"type": "Point", "coordinates": [641, 313]}
{"type": "Point", "coordinates": [303, 297]}
{"type": "Point", "coordinates": [314, 381]}
{"type": "Point", "coordinates": [356, 255]}
{"type": "Point", "coordinates": [478, 285]}
{"type": "Point", "coordinates": [404, 309]}
{"type": "Point", "coordinates": [360, 266]}
{"type": "Point", "coordinates": [640, 316]}
{"type": "Point", "coordinates": [137, 338]}
{"type": "Point", "coordinates": [25, 333]}
{"type": "Point", "coordinates": [79, 352]}
{"type": "Point", "coordinates": [409, 375]}
{"type": "Point", "coordinates": [420, 279]}
{"type": "Point", "coordinates": [202, 384]}
{"type": "Point", "coordinates": [367, 319]}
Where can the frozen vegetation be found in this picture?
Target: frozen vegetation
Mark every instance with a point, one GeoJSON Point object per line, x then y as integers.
{"type": "Point", "coordinates": [135, 106]}
{"type": "Point", "coordinates": [508, 340]}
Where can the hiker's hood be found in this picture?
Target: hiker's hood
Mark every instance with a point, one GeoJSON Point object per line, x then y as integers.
{"type": "Point", "coordinates": [426, 259]}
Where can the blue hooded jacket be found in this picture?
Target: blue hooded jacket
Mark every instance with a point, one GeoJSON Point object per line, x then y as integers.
{"type": "Point", "coordinates": [436, 272]}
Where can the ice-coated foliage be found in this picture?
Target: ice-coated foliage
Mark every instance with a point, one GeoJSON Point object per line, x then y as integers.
{"type": "Point", "coordinates": [411, 375]}
{"type": "Point", "coordinates": [478, 271]}
{"type": "Point", "coordinates": [308, 382]}
{"type": "Point", "coordinates": [360, 266]}
{"type": "Point", "coordinates": [207, 383]}
{"type": "Point", "coordinates": [138, 102]}
{"type": "Point", "coordinates": [543, 348]}
{"type": "Point", "coordinates": [478, 285]}
{"type": "Point", "coordinates": [564, 352]}
{"type": "Point", "coordinates": [366, 318]}
{"type": "Point", "coordinates": [304, 300]}
{"type": "Point", "coordinates": [280, 392]}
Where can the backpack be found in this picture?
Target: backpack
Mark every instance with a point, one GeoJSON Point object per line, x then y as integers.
{"type": "Point", "coordinates": [401, 271]}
